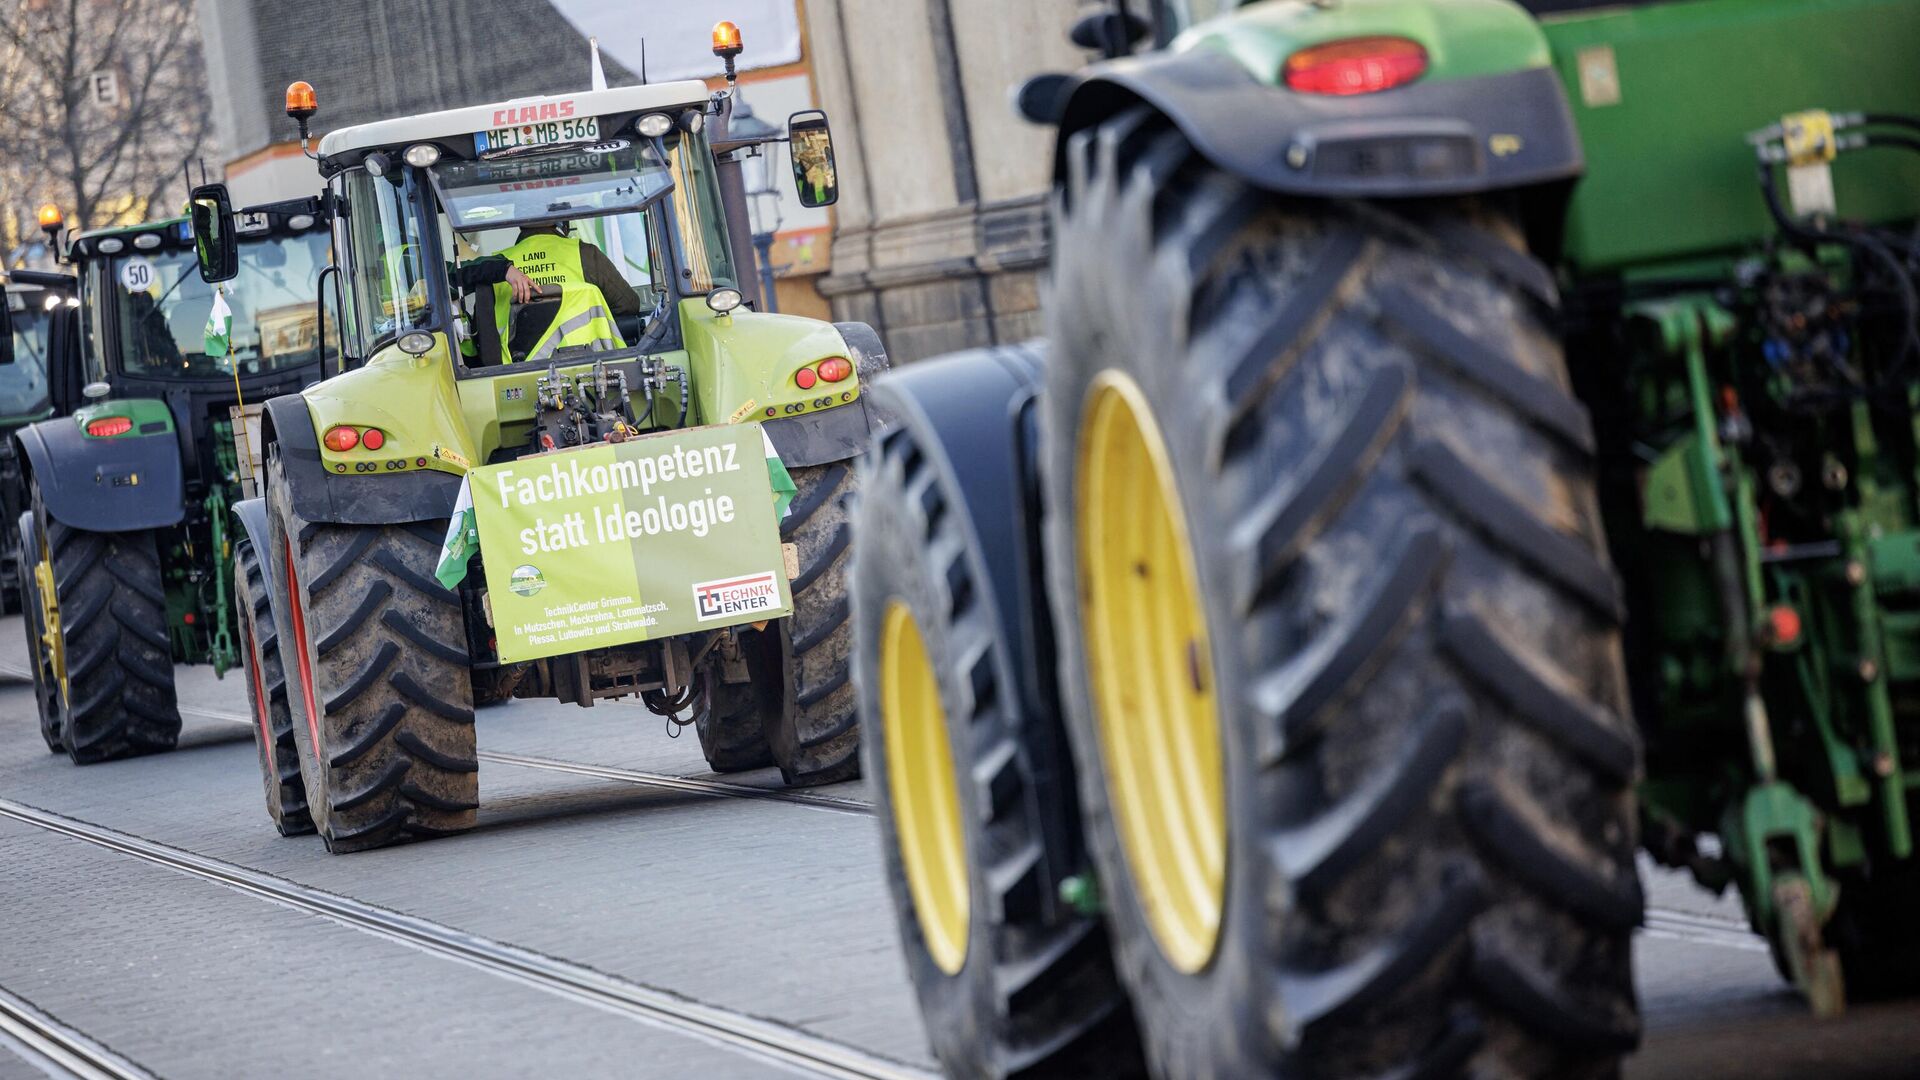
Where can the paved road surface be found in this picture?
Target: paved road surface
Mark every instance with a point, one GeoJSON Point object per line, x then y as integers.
{"type": "Point", "coordinates": [593, 924]}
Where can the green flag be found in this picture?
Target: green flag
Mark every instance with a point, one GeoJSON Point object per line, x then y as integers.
{"type": "Point", "coordinates": [783, 489]}
{"type": "Point", "coordinates": [219, 325]}
{"type": "Point", "coordinates": [463, 539]}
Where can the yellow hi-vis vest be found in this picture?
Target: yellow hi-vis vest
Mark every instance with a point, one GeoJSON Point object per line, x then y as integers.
{"type": "Point", "coordinates": [583, 318]}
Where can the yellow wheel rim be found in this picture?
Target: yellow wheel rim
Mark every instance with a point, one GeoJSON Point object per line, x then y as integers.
{"type": "Point", "coordinates": [51, 639]}
{"type": "Point", "coordinates": [1152, 673]}
{"type": "Point", "coordinates": [924, 792]}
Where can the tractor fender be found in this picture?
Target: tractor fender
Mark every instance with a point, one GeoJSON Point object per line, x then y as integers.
{"type": "Point", "coordinates": [119, 484]}
{"type": "Point", "coordinates": [250, 525]}
{"type": "Point", "coordinates": [973, 415]}
{"type": "Point", "coordinates": [974, 418]}
{"type": "Point", "coordinates": [321, 496]}
{"type": "Point", "coordinates": [1480, 133]}
{"type": "Point", "coordinates": [843, 431]}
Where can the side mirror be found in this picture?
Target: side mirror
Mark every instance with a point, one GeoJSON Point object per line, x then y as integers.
{"type": "Point", "coordinates": [814, 173]}
{"type": "Point", "coordinates": [214, 239]}
{"type": "Point", "coordinates": [1113, 33]}
{"type": "Point", "coordinates": [1042, 99]}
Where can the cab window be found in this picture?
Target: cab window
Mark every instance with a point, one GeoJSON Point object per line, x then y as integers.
{"type": "Point", "coordinates": [162, 307]}
{"type": "Point", "coordinates": [391, 283]}
{"type": "Point", "coordinates": [23, 383]}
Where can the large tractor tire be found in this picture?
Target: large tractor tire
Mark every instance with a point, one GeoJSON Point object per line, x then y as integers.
{"type": "Point", "coordinates": [1872, 930]}
{"type": "Point", "coordinates": [46, 690]}
{"type": "Point", "coordinates": [969, 771]}
{"type": "Point", "coordinates": [112, 664]}
{"type": "Point", "coordinates": [19, 559]}
{"type": "Point", "coordinates": [815, 739]}
{"type": "Point", "coordinates": [267, 696]}
{"type": "Point", "coordinates": [1339, 637]}
{"type": "Point", "coordinates": [380, 686]}
{"type": "Point", "coordinates": [733, 725]}
{"type": "Point", "coordinates": [493, 686]}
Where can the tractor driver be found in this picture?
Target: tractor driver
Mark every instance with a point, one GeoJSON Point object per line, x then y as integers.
{"type": "Point", "coordinates": [582, 290]}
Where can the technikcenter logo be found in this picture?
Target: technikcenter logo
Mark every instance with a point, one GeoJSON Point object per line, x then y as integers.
{"type": "Point", "coordinates": [735, 597]}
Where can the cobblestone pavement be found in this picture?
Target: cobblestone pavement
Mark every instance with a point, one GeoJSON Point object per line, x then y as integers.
{"type": "Point", "coordinates": [769, 914]}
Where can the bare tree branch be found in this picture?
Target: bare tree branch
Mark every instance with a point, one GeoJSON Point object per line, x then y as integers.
{"type": "Point", "coordinates": [97, 159]}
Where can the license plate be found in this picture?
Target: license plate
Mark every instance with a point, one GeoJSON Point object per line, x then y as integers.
{"type": "Point", "coordinates": [544, 133]}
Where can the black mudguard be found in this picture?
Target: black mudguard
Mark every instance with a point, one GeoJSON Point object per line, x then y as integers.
{"type": "Point", "coordinates": [974, 415]}
{"type": "Point", "coordinates": [841, 432]}
{"type": "Point", "coordinates": [250, 527]}
{"type": "Point", "coordinates": [1449, 137]}
{"type": "Point", "coordinates": [318, 495]}
{"type": "Point", "coordinates": [121, 484]}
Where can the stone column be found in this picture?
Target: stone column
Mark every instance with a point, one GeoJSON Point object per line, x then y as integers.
{"type": "Point", "coordinates": [940, 228]}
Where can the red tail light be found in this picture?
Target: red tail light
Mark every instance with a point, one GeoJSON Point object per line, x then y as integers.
{"type": "Point", "coordinates": [341, 439]}
{"type": "Point", "coordinates": [836, 369]}
{"type": "Point", "coordinates": [1356, 66]}
{"type": "Point", "coordinates": [805, 378]}
{"type": "Point", "coordinates": [108, 426]}
{"type": "Point", "coordinates": [373, 438]}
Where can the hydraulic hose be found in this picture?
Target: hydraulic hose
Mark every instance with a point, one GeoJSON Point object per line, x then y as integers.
{"type": "Point", "coordinates": [1874, 248]}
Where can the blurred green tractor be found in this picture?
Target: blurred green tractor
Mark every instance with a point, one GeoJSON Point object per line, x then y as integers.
{"type": "Point", "coordinates": [124, 533]}
{"type": "Point", "coordinates": [1472, 445]}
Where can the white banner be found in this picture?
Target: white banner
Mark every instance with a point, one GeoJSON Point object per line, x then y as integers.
{"type": "Point", "coordinates": [679, 33]}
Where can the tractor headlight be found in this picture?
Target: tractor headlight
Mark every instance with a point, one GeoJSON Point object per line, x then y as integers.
{"type": "Point", "coordinates": [421, 155]}
{"type": "Point", "coordinates": [724, 299]}
{"type": "Point", "coordinates": [693, 121]}
{"type": "Point", "coordinates": [147, 241]}
{"type": "Point", "coordinates": [299, 222]}
{"type": "Point", "coordinates": [416, 343]}
{"type": "Point", "coordinates": [654, 125]}
{"type": "Point", "coordinates": [112, 245]}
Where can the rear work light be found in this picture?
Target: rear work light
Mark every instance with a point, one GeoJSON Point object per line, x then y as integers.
{"type": "Point", "coordinates": [341, 439]}
{"type": "Point", "coordinates": [1356, 66]}
{"type": "Point", "coordinates": [836, 369]}
{"type": "Point", "coordinates": [108, 426]}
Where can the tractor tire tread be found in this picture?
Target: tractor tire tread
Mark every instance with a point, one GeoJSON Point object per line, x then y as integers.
{"type": "Point", "coordinates": [119, 659]}
{"type": "Point", "coordinates": [1037, 996]}
{"type": "Point", "coordinates": [397, 759]}
{"type": "Point", "coordinates": [1370, 427]}
{"type": "Point", "coordinates": [814, 738]}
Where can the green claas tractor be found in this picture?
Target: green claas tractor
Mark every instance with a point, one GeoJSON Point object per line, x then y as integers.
{"type": "Point", "coordinates": [40, 306]}
{"type": "Point", "coordinates": [1472, 445]}
{"type": "Point", "coordinates": [549, 348]}
{"type": "Point", "coordinates": [124, 533]}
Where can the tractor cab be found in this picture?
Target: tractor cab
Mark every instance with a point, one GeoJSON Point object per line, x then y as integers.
{"type": "Point", "coordinates": [609, 202]}
{"type": "Point", "coordinates": [146, 355]}
{"type": "Point", "coordinates": [532, 242]}
{"type": "Point", "coordinates": [39, 314]}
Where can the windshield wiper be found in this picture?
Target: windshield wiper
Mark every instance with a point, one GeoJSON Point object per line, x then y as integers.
{"type": "Point", "coordinates": [160, 305]}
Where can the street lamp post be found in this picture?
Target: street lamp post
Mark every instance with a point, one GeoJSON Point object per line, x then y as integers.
{"type": "Point", "coordinates": [763, 194]}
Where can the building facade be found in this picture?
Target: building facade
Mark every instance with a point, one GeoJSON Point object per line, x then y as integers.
{"type": "Point", "coordinates": [940, 233]}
